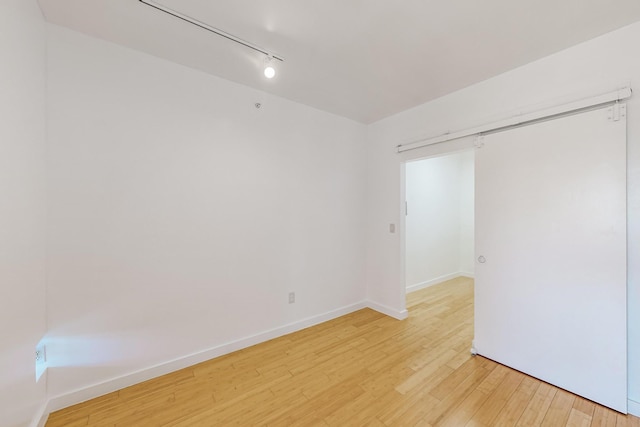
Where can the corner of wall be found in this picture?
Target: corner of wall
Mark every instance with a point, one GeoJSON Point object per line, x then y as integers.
{"type": "Point", "coordinates": [389, 311]}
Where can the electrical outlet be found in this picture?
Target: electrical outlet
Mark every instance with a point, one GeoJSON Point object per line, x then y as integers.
{"type": "Point", "coordinates": [292, 297]}
{"type": "Point", "coordinates": [41, 354]}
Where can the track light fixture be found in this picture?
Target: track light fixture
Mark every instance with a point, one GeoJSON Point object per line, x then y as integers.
{"type": "Point", "coordinates": [271, 58]}
{"type": "Point", "coordinates": [269, 67]}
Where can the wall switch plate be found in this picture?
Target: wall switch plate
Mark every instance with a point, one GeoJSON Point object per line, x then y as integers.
{"type": "Point", "coordinates": [292, 297]}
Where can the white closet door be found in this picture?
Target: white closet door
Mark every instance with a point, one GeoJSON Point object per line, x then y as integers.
{"type": "Point", "coordinates": [551, 253]}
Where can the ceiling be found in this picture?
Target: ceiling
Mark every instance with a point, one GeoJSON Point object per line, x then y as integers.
{"type": "Point", "coordinates": [361, 59]}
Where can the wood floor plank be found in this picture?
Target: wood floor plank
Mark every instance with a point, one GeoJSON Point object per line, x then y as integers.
{"type": "Point", "coordinates": [603, 417]}
{"type": "Point", "coordinates": [362, 369]}
{"type": "Point", "coordinates": [498, 396]}
{"type": "Point", "coordinates": [477, 399]}
{"type": "Point", "coordinates": [559, 410]}
{"type": "Point", "coordinates": [578, 419]}
{"type": "Point", "coordinates": [512, 411]}
{"type": "Point", "coordinates": [473, 367]}
{"type": "Point", "coordinates": [450, 401]}
{"type": "Point", "coordinates": [417, 406]}
{"type": "Point", "coordinates": [537, 408]}
{"type": "Point", "coordinates": [585, 406]}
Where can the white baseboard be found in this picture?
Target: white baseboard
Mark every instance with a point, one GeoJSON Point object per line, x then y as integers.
{"type": "Point", "coordinates": [392, 312]}
{"type": "Point", "coordinates": [469, 274]}
{"type": "Point", "coordinates": [40, 418]}
{"type": "Point", "coordinates": [428, 283]}
{"type": "Point", "coordinates": [68, 399]}
{"type": "Point", "coordinates": [99, 389]}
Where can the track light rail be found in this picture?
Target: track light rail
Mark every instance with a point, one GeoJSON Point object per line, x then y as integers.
{"type": "Point", "coordinates": [211, 29]}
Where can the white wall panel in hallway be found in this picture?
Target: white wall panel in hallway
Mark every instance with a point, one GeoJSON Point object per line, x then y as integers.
{"type": "Point", "coordinates": [551, 226]}
{"type": "Point", "coordinates": [439, 220]}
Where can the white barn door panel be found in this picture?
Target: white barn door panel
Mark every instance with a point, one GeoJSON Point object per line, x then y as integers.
{"type": "Point", "coordinates": [551, 253]}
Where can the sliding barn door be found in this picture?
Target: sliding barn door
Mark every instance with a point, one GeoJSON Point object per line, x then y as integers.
{"type": "Point", "coordinates": [551, 253]}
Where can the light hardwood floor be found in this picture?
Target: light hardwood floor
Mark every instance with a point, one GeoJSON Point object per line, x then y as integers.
{"type": "Point", "coordinates": [363, 369]}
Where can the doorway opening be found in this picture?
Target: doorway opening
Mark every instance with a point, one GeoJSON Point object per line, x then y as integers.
{"type": "Point", "coordinates": [439, 223]}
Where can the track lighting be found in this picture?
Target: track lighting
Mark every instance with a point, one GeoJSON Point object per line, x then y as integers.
{"type": "Point", "coordinates": [269, 67]}
{"type": "Point", "coordinates": [271, 58]}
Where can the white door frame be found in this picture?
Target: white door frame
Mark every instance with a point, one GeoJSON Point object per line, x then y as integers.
{"type": "Point", "coordinates": [423, 153]}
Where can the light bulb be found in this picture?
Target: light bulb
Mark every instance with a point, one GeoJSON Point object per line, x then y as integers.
{"type": "Point", "coordinates": [269, 69]}
{"type": "Point", "coordinates": [269, 72]}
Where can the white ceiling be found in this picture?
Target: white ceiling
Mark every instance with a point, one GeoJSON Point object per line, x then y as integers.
{"type": "Point", "coordinates": [361, 59]}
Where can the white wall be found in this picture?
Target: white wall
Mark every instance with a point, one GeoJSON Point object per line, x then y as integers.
{"type": "Point", "coordinates": [22, 208]}
{"type": "Point", "coordinates": [593, 67]}
{"type": "Point", "coordinates": [181, 216]}
{"type": "Point", "coordinates": [439, 194]}
{"type": "Point", "coordinates": [165, 184]}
